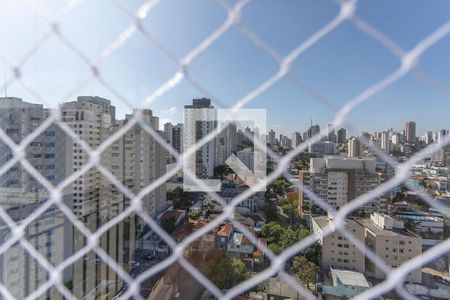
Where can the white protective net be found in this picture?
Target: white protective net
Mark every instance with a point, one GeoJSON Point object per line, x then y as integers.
{"type": "Point", "coordinates": [348, 13]}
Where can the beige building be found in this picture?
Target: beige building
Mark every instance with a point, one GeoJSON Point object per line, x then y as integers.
{"type": "Point", "coordinates": [135, 159]}
{"type": "Point", "coordinates": [337, 180]}
{"type": "Point", "coordinates": [92, 123]}
{"type": "Point", "coordinates": [383, 234]}
{"type": "Point", "coordinates": [354, 148]}
{"type": "Point", "coordinates": [389, 239]}
{"type": "Point", "coordinates": [337, 251]}
{"type": "Point", "coordinates": [410, 132]}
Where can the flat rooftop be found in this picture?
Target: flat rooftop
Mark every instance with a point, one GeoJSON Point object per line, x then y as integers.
{"type": "Point", "coordinates": [323, 221]}
{"type": "Point", "coordinates": [385, 232]}
{"type": "Point", "coordinates": [350, 278]}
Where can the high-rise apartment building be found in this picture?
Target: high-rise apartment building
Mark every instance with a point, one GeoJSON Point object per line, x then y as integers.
{"type": "Point", "coordinates": [410, 132]}
{"type": "Point", "coordinates": [313, 130]}
{"type": "Point", "coordinates": [134, 159]}
{"type": "Point", "coordinates": [177, 137]}
{"type": "Point", "coordinates": [21, 194]}
{"type": "Point", "coordinates": [168, 132]}
{"type": "Point", "coordinates": [272, 139]}
{"type": "Point", "coordinates": [173, 134]}
{"type": "Point", "coordinates": [226, 143]}
{"type": "Point", "coordinates": [354, 148]}
{"type": "Point", "coordinates": [338, 180]}
{"type": "Point", "coordinates": [322, 148]}
{"type": "Point", "coordinates": [439, 155]}
{"type": "Point", "coordinates": [296, 139]}
{"type": "Point", "coordinates": [92, 123]}
{"type": "Point", "coordinates": [428, 137]}
{"type": "Point", "coordinates": [247, 157]}
{"type": "Point", "coordinates": [285, 142]}
{"type": "Point", "coordinates": [385, 141]}
{"type": "Point", "coordinates": [50, 234]}
{"type": "Point", "coordinates": [331, 136]}
{"type": "Point", "coordinates": [200, 119]}
{"type": "Point", "coordinates": [106, 105]}
{"type": "Point", "coordinates": [341, 135]}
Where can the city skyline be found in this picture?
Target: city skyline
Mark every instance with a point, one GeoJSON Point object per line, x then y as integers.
{"type": "Point", "coordinates": [164, 149]}
{"type": "Point", "coordinates": [228, 68]}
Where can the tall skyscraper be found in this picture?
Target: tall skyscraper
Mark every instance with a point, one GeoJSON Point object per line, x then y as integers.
{"type": "Point", "coordinates": [107, 108]}
{"type": "Point", "coordinates": [177, 137]}
{"type": "Point", "coordinates": [313, 130]}
{"type": "Point", "coordinates": [439, 155]}
{"type": "Point", "coordinates": [168, 132]}
{"type": "Point", "coordinates": [21, 194]}
{"type": "Point", "coordinates": [272, 138]}
{"type": "Point", "coordinates": [331, 135]}
{"type": "Point", "coordinates": [322, 148]}
{"type": "Point", "coordinates": [200, 119]}
{"type": "Point", "coordinates": [354, 147]}
{"type": "Point", "coordinates": [341, 136]}
{"type": "Point", "coordinates": [410, 132]}
{"type": "Point", "coordinates": [226, 143]}
{"type": "Point", "coordinates": [296, 139]}
{"type": "Point", "coordinates": [92, 123]}
{"type": "Point", "coordinates": [385, 141]}
{"type": "Point", "coordinates": [428, 137]}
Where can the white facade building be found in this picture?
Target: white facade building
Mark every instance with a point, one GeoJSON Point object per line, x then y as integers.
{"type": "Point", "coordinates": [338, 180]}
{"type": "Point", "coordinates": [322, 148]}
{"type": "Point", "coordinates": [200, 119]}
{"type": "Point", "coordinates": [382, 234]}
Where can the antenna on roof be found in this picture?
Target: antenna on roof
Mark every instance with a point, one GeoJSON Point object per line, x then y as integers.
{"type": "Point", "coordinates": [6, 88]}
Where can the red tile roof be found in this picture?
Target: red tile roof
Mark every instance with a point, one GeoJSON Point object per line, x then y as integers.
{"type": "Point", "coordinates": [225, 230]}
{"type": "Point", "coordinates": [259, 252]}
{"type": "Point", "coordinates": [184, 231]}
{"type": "Point", "coordinates": [171, 214]}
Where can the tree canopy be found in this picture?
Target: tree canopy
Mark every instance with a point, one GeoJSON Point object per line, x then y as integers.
{"type": "Point", "coordinates": [180, 199]}
{"type": "Point", "coordinates": [279, 238]}
{"type": "Point", "coordinates": [168, 224]}
{"type": "Point", "coordinates": [270, 211]}
{"type": "Point", "coordinates": [228, 272]}
{"type": "Point", "coordinates": [279, 186]}
{"type": "Point", "coordinates": [305, 270]}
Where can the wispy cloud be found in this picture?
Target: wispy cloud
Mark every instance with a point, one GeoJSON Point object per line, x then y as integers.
{"type": "Point", "coordinates": [169, 112]}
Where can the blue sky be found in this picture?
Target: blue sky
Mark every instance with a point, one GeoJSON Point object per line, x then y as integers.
{"type": "Point", "coordinates": [339, 66]}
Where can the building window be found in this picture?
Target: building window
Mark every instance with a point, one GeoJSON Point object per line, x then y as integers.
{"type": "Point", "coordinates": [49, 133]}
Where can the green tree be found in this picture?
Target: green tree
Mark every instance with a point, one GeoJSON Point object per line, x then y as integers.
{"type": "Point", "coordinates": [303, 232]}
{"type": "Point", "coordinates": [279, 186]}
{"type": "Point", "coordinates": [222, 171]}
{"type": "Point", "coordinates": [399, 196]}
{"type": "Point", "coordinates": [194, 214]}
{"type": "Point", "coordinates": [305, 270]}
{"type": "Point", "coordinates": [313, 253]}
{"type": "Point", "coordinates": [180, 199]}
{"type": "Point", "coordinates": [228, 272]}
{"type": "Point", "coordinates": [272, 232]}
{"type": "Point", "coordinates": [168, 224]}
{"type": "Point", "coordinates": [289, 208]}
{"type": "Point", "coordinates": [280, 238]}
{"type": "Point", "coordinates": [270, 211]}
{"type": "Point", "coordinates": [288, 238]}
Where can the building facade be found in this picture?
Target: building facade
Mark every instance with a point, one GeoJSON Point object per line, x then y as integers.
{"type": "Point", "coordinates": [384, 235]}
{"type": "Point", "coordinates": [338, 180]}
